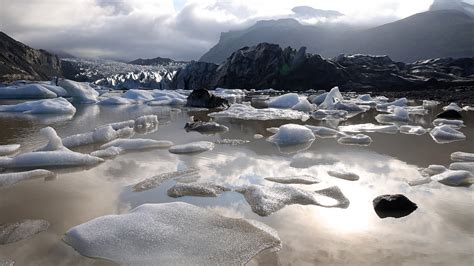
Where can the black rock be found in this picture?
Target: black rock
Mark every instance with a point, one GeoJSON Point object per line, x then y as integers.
{"type": "Point", "coordinates": [205, 99]}
{"type": "Point", "coordinates": [396, 206]}
{"type": "Point", "coordinates": [449, 114]}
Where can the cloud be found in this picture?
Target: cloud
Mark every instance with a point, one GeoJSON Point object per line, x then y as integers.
{"type": "Point", "coordinates": [180, 29]}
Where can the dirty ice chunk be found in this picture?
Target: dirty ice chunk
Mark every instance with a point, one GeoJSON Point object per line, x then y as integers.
{"type": "Point", "coordinates": [292, 134]}
{"type": "Point", "coordinates": [369, 127]}
{"type": "Point", "coordinates": [155, 181]}
{"type": "Point", "coordinates": [301, 179]}
{"type": "Point", "coordinates": [13, 232]}
{"type": "Point", "coordinates": [192, 147]}
{"type": "Point", "coordinates": [460, 156]}
{"type": "Point", "coordinates": [359, 139]}
{"type": "Point", "coordinates": [344, 175]}
{"type": "Point", "coordinates": [445, 134]}
{"type": "Point", "coordinates": [412, 130]}
{"type": "Point", "coordinates": [454, 178]}
{"type": "Point", "coordinates": [172, 234]}
{"type": "Point", "coordinates": [9, 149]}
{"type": "Point", "coordinates": [265, 200]}
{"type": "Point", "coordinates": [47, 106]}
{"type": "Point", "coordinates": [196, 189]}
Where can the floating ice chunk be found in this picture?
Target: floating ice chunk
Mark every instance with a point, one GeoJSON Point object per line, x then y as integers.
{"type": "Point", "coordinates": [452, 106]}
{"type": "Point", "coordinates": [116, 100]}
{"type": "Point", "coordinates": [457, 124]}
{"type": "Point", "coordinates": [138, 95]}
{"type": "Point", "coordinates": [301, 179]}
{"type": "Point", "coordinates": [369, 127]}
{"type": "Point", "coordinates": [415, 110]}
{"type": "Point", "coordinates": [246, 112]}
{"type": "Point", "coordinates": [284, 101]}
{"type": "Point", "coordinates": [54, 141]}
{"type": "Point", "coordinates": [258, 136]}
{"type": "Point", "coordinates": [172, 234]}
{"type": "Point", "coordinates": [146, 124]}
{"type": "Point", "coordinates": [137, 144]}
{"type": "Point", "coordinates": [47, 106]}
{"type": "Point", "coordinates": [273, 130]}
{"type": "Point", "coordinates": [13, 232]}
{"type": "Point", "coordinates": [324, 132]}
{"type": "Point", "coordinates": [26, 91]}
{"type": "Point", "coordinates": [205, 127]}
{"type": "Point", "coordinates": [350, 107]}
{"type": "Point", "coordinates": [468, 108]}
{"type": "Point", "coordinates": [413, 130]}
{"type": "Point", "coordinates": [334, 96]}
{"type": "Point", "coordinates": [454, 178]}
{"type": "Point", "coordinates": [9, 149]}
{"type": "Point", "coordinates": [196, 189]}
{"type": "Point", "coordinates": [318, 99]}
{"type": "Point", "coordinates": [445, 134]}
{"type": "Point", "coordinates": [466, 166]}
{"type": "Point", "coordinates": [304, 106]}
{"type": "Point", "coordinates": [9, 179]}
{"type": "Point", "coordinates": [344, 175]}
{"type": "Point", "coordinates": [399, 115]}
{"type": "Point", "coordinates": [107, 153]}
{"type": "Point", "coordinates": [430, 103]}
{"type": "Point", "coordinates": [99, 135]}
{"type": "Point", "coordinates": [399, 102]}
{"type": "Point", "coordinates": [79, 91]}
{"type": "Point", "coordinates": [329, 114]}
{"type": "Point", "coordinates": [460, 156]}
{"type": "Point", "coordinates": [59, 91]}
{"type": "Point", "coordinates": [433, 169]}
{"type": "Point", "coordinates": [365, 97]}
{"type": "Point", "coordinates": [193, 147]}
{"type": "Point", "coordinates": [359, 139]}
{"type": "Point", "coordinates": [49, 159]}
{"type": "Point", "coordinates": [155, 181]}
{"type": "Point", "coordinates": [292, 134]}
{"type": "Point", "coordinates": [265, 200]}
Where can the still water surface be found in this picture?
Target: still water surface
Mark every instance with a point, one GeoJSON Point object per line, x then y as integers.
{"type": "Point", "coordinates": [439, 232]}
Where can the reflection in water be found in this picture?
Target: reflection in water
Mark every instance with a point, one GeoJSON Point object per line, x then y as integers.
{"type": "Point", "coordinates": [440, 231]}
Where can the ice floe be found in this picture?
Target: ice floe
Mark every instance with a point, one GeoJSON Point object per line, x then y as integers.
{"type": "Point", "coordinates": [433, 169]}
{"type": "Point", "coordinates": [108, 152]}
{"type": "Point", "coordinates": [452, 106]}
{"type": "Point", "coordinates": [138, 144]}
{"type": "Point", "coordinates": [26, 91]}
{"type": "Point", "coordinates": [445, 134]}
{"type": "Point", "coordinates": [14, 232]}
{"type": "Point", "coordinates": [343, 175]}
{"type": "Point", "coordinates": [399, 102]}
{"type": "Point", "coordinates": [116, 100]}
{"type": "Point", "coordinates": [99, 135]}
{"type": "Point", "coordinates": [318, 99]}
{"type": "Point", "coordinates": [412, 130]}
{"type": "Point", "coordinates": [192, 147]}
{"type": "Point", "coordinates": [292, 134]}
{"type": "Point", "coordinates": [54, 141]}
{"type": "Point", "coordinates": [299, 179]}
{"type": "Point", "coordinates": [466, 166]}
{"type": "Point", "coordinates": [284, 101]}
{"type": "Point", "coordinates": [460, 156]}
{"type": "Point", "coordinates": [454, 178]}
{"type": "Point", "coordinates": [207, 189]}
{"type": "Point", "coordinates": [324, 132]}
{"type": "Point", "coordinates": [457, 124]}
{"type": "Point", "coordinates": [330, 114]}
{"type": "Point", "coordinates": [246, 112]}
{"type": "Point", "coordinates": [369, 127]}
{"type": "Point", "coordinates": [304, 106]}
{"type": "Point", "coordinates": [9, 149]}
{"type": "Point", "coordinates": [42, 159]}
{"type": "Point", "coordinates": [157, 180]}
{"type": "Point", "coordinates": [80, 92]}
{"type": "Point", "coordinates": [9, 179]}
{"type": "Point", "coordinates": [172, 234]}
{"type": "Point", "coordinates": [46, 106]}
{"type": "Point", "coordinates": [332, 98]}
{"type": "Point", "coordinates": [359, 139]}
{"type": "Point", "coordinates": [399, 115]}
{"type": "Point", "coordinates": [265, 200]}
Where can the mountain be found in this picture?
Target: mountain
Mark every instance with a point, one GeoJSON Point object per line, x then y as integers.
{"type": "Point", "coordinates": [18, 61]}
{"type": "Point", "coordinates": [267, 66]}
{"type": "Point", "coordinates": [155, 61]}
{"type": "Point", "coordinates": [432, 34]}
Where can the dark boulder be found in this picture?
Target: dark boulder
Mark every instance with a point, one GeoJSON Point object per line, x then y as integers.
{"type": "Point", "coordinates": [195, 75]}
{"type": "Point", "coordinates": [205, 127]}
{"type": "Point", "coordinates": [205, 99]}
{"type": "Point", "coordinates": [449, 114]}
{"type": "Point", "coordinates": [396, 206]}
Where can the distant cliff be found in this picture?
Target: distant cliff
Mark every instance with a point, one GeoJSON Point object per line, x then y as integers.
{"type": "Point", "coordinates": [19, 61]}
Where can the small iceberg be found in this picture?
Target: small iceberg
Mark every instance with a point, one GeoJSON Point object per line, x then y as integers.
{"type": "Point", "coordinates": [399, 115]}
{"type": "Point", "coordinates": [81, 92]}
{"type": "Point", "coordinates": [457, 124]}
{"type": "Point", "coordinates": [292, 134]}
{"type": "Point", "coordinates": [413, 130]}
{"type": "Point", "coordinates": [9, 179]}
{"type": "Point", "coordinates": [193, 147]}
{"type": "Point", "coordinates": [196, 189]}
{"type": "Point", "coordinates": [454, 178]}
{"type": "Point", "coordinates": [99, 135]}
{"type": "Point", "coordinates": [9, 149]}
{"type": "Point", "coordinates": [462, 156]}
{"type": "Point", "coordinates": [369, 127]}
{"type": "Point", "coordinates": [399, 103]}
{"type": "Point", "coordinates": [246, 112]}
{"type": "Point", "coordinates": [14, 232]}
{"type": "Point", "coordinates": [359, 139]}
{"type": "Point", "coordinates": [265, 200]}
{"type": "Point", "coordinates": [466, 166]}
{"type": "Point", "coordinates": [324, 132]}
{"type": "Point", "coordinates": [26, 91]}
{"type": "Point", "coordinates": [343, 175]}
{"type": "Point", "coordinates": [284, 101]}
{"type": "Point", "coordinates": [433, 169]}
{"type": "Point", "coordinates": [155, 181]}
{"type": "Point", "coordinates": [304, 106]}
{"type": "Point", "coordinates": [137, 144]}
{"type": "Point", "coordinates": [452, 106]}
{"type": "Point", "coordinates": [300, 179]}
{"type": "Point", "coordinates": [332, 98]}
{"type": "Point", "coordinates": [108, 152]}
{"type": "Point", "coordinates": [43, 159]}
{"type": "Point", "coordinates": [47, 106]}
{"type": "Point", "coordinates": [116, 100]}
{"type": "Point", "coordinates": [178, 230]}
{"type": "Point", "coordinates": [446, 134]}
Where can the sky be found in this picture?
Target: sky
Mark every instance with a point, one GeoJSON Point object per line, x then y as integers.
{"type": "Point", "coordinates": [179, 29]}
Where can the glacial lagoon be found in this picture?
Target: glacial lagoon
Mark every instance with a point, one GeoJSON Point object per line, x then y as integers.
{"type": "Point", "coordinates": [440, 231]}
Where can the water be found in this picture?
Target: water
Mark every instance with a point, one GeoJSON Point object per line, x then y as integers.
{"type": "Point", "coordinates": [440, 231]}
